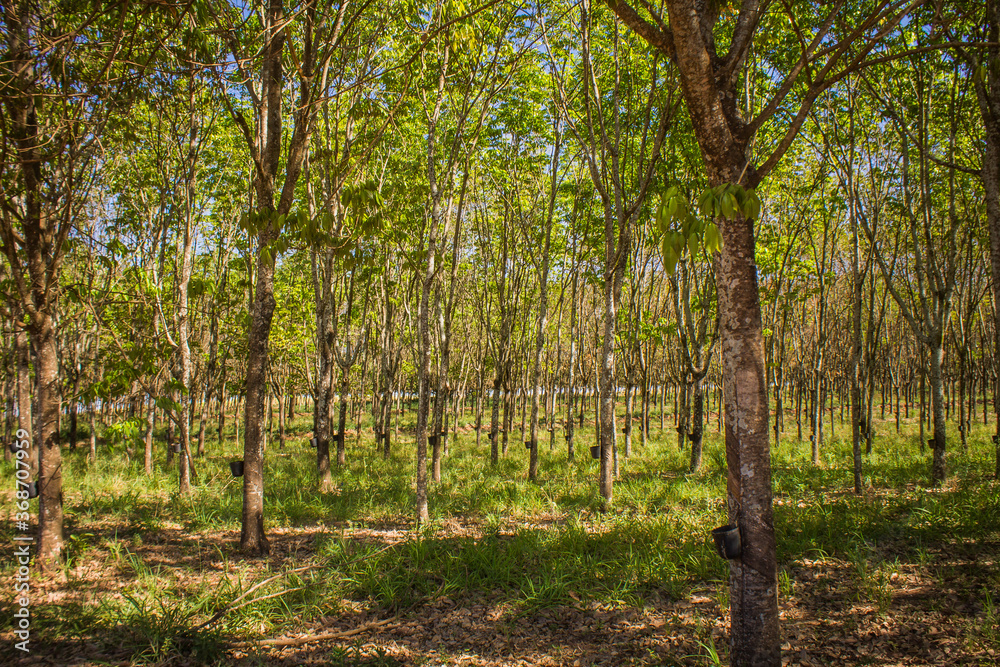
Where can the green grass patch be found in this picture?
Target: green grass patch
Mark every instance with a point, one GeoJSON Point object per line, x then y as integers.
{"type": "Point", "coordinates": [494, 535]}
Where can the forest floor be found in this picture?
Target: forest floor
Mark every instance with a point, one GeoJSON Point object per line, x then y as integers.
{"type": "Point", "coordinates": [904, 575]}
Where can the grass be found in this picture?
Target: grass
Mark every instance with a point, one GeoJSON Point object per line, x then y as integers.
{"type": "Point", "coordinates": [526, 546]}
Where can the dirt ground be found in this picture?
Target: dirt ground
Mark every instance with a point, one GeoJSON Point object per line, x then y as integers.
{"type": "Point", "coordinates": [927, 614]}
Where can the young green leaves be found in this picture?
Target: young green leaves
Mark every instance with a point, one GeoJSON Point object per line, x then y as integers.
{"type": "Point", "coordinates": [673, 209]}
{"type": "Point", "coordinates": [682, 231]}
{"type": "Point", "coordinates": [362, 204]}
{"type": "Point", "coordinates": [297, 226]}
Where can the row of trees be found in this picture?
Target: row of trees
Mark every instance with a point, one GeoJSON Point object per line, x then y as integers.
{"type": "Point", "coordinates": [205, 201]}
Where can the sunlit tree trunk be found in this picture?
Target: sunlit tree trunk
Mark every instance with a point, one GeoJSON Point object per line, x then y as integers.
{"type": "Point", "coordinates": [543, 304]}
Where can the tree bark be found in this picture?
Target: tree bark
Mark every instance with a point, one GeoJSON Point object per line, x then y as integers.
{"type": "Point", "coordinates": [341, 435]}
{"type": "Point", "coordinates": [753, 576]}
{"type": "Point", "coordinates": [183, 325]}
{"type": "Point", "coordinates": [697, 424]}
{"type": "Point", "coordinates": [938, 466]}
{"type": "Point", "coordinates": [252, 536]}
{"type": "Point", "coordinates": [265, 145]}
{"type": "Point", "coordinates": [856, 343]}
{"type": "Point", "coordinates": [606, 372]}
{"type": "Point", "coordinates": [147, 458]}
{"type": "Point", "coordinates": [423, 389]}
{"type": "Point", "coordinates": [43, 238]}
{"type": "Point", "coordinates": [723, 140]}
{"type": "Point", "coordinates": [323, 284]}
{"type": "Point", "coordinates": [25, 422]}
{"type": "Point", "coordinates": [50, 506]}
{"type": "Point", "coordinates": [571, 379]}
{"type": "Point", "coordinates": [268, 149]}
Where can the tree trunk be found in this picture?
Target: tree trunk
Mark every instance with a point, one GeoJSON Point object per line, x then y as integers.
{"type": "Point", "coordinates": [341, 434]}
{"type": "Point", "coordinates": [723, 140]}
{"type": "Point", "coordinates": [644, 425]}
{"type": "Point", "coordinates": [779, 409]}
{"type": "Point", "coordinates": [856, 345]}
{"type": "Point", "coordinates": [324, 382]}
{"type": "Point", "coordinates": [50, 506]}
{"type": "Point", "coordinates": [816, 418]}
{"type": "Point", "coordinates": [437, 429]}
{"type": "Point", "coordinates": [507, 424]}
{"type": "Point", "coordinates": [697, 424]}
{"type": "Point", "coordinates": [423, 389]}
{"type": "Point", "coordinates": [24, 411]}
{"type": "Point", "coordinates": [266, 146]}
{"type": "Point", "coordinates": [150, 419]}
{"type": "Point", "coordinates": [168, 437]}
{"type": "Point", "coordinates": [252, 536]}
{"type": "Point", "coordinates": [962, 353]}
{"type": "Point", "coordinates": [221, 424]}
{"type": "Point", "coordinates": [938, 468]}
{"type": "Point", "coordinates": [281, 418]}
{"type": "Point", "coordinates": [683, 410]}
{"type": "Point", "coordinates": [206, 396]}
{"type": "Point", "coordinates": [571, 380]}
{"type": "Point", "coordinates": [184, 397]}
{"type": "Point", "coordinates": [494, 419]}
{"type": "Point", "coordinates": [606, 373]}
{"type": "Point", "coordinates": [627, 427]}
{"type": "Point", "coordinates": [753, 576]}
{"type": "Point", "coordinates": [74, 401]}
{"type": "Point", "coordinates": [92, 455]}
{"type": "Point", "coordinates": [543, 305]}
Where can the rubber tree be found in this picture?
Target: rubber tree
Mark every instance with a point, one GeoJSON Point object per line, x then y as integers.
{"type": "Point", "coordinates": [543, 299]}
{"type": "Point", "coordinates": [712, 87]}
{"type": "Point", "coordinates": [353, 120]}
{"type": "Point", "coordinates": [984, 63]}
{"type": "Point", "coordinates": [930, 224]}
{"type": "Point", "coordinates": [445, 315]}
{"type": "Point", "coordinates": [470, 68]}
{"type": "Point", "coordinates": [347, 353]}
{"type": "Point", "coordinates": [842, 131]}
{"type": "Point", "coordinates": [822, 238]}
{"type": "Point", "coordinates": [308, 35]}
{"type": "Point", "coordinates": [531, 212]}
{"type": "Point", "coordinates": [211, 376]}
{"type": "Point", "coordinates": [988, 95]}
{"type": "Point", "coordinates": [389, 351]}
{"type": "Point", "coordinates": [693, 287]}
{"type": "Point", "coordinates": [63, 70]}
{"type": "Point", "coordinates": [622, 171]}
{"type": "Point", "coordinates": [190, 127]}
{"type": "Point", "coordinates": [634, 333]}
{"type": "Point", "coordinates": [503, 278]}
{"type": "Point", "coordinates": [571, 361]}
{"type": "Point", "coordinates": [970, 288]}
{"type": "Point", "coordinates": [782, 274]}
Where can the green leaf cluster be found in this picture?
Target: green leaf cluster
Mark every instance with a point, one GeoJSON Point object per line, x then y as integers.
{"type": "Point", "coordinates": [729, 201]}
{"type": "Point", "coordinates": [295, 228]}
{"type": "Point", "coordinates": [681, 231]}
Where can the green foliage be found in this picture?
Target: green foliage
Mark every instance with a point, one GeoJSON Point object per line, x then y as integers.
{"type": "Point", "coordinates": [362, 203]}
{"type": "Point", "coordinates": [160, 628]}
{"type": "Point", "coordinates": [125, 432]}
{"type": "Point", "coordinates": [682, 232]}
